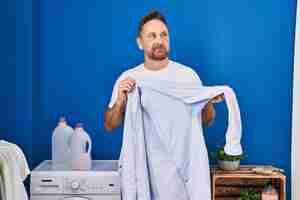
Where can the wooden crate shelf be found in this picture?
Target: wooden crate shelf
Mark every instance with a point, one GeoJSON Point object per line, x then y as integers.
{"type": "Point", "coordinates": [227, 185]}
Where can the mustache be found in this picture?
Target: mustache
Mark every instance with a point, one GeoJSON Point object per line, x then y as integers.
{"type": "Point", "coordinates": [160, 46]}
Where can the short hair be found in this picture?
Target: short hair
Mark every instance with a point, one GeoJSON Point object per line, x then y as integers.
{"type": "Point", "coordinates": [154, 14]}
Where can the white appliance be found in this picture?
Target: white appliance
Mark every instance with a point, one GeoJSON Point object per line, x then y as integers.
{"type": "Point", "coordinates": [102, 182]}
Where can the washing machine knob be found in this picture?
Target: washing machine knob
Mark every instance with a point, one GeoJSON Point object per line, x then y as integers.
{"type": "Point", "coordinates": [75, 185]}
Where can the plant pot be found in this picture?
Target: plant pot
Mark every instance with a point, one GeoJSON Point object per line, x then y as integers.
{"type": "Point", "coordinates": [229, 165]}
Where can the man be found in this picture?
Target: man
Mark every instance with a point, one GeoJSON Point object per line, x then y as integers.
{"type": "Point", "coordinates": [153, 39]}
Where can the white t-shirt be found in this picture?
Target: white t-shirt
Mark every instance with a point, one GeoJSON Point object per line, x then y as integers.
{"type": "Point", "coordinates": [173, 72]}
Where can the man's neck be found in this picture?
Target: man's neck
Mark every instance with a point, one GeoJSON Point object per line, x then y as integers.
{"type": "Point", "coordinates": [155, 65]}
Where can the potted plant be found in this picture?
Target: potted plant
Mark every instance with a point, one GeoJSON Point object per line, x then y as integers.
{"type": "Point", "coordinates": [228, 162]}
{"type": "Point", "coordinates": [250, 194]}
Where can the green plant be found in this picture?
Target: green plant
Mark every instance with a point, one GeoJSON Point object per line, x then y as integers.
{"type": "Point", "coordinates": [221, 155]}
{"type": "Point", "coordinates": [250, 194]}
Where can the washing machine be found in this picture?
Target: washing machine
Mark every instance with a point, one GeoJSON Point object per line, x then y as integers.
{"type": "Point", "coordinates": [102, 182]}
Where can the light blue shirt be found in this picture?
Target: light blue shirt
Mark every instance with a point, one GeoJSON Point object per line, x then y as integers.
{"type": "Point", "coordinates": [163, 154]}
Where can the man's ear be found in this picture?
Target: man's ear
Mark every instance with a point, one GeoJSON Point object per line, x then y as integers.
{"type": "Point", "coordinates": [138, 41]}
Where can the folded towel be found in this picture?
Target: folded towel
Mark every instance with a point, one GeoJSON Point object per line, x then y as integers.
{"type": "Point", "coordinates": [2, 194]}
{"type": "Point", "coordinates": [21, 159]}
{"type": "Point", "coordinates": [14, 170]}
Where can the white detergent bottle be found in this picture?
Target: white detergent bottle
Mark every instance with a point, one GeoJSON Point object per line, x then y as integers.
{"type": "Point", "coordinates": [81, 146]}
{"type": "Point", "coordinates": [61, 151]}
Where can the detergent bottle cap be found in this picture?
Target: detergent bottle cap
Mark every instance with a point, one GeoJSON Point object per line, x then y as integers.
{"type": "Point", "coordinates": [62, 119]}
{"type": "Point", "coordinates": [78, 125]}
{"type": "Point", "coordinates": [62, 122]}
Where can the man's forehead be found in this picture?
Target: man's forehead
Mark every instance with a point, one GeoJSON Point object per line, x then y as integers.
{"type": "Point", "coordinates": [155, 25]}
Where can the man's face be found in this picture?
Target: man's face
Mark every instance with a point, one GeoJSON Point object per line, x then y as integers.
{"type": "Point", "coordinates": [154, 39]}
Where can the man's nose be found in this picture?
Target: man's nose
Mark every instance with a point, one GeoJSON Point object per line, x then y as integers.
{"type": "Point", "coordinates": [158, 40]}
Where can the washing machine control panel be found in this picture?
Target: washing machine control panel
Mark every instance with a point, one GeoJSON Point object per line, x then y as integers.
{"type": "Point", "coordinates": [91, 185]}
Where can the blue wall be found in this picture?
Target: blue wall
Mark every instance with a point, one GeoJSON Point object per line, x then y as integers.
{"type": "Point", "coordinates": [17, 74]}
{"type": "Point", "coordinates": [7, 63]}
{"type": "Point", "coordinates": [69, 53]}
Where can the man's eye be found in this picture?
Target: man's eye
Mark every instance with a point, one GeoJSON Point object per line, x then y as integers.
{"type": "Point", "coordinates": [164, 35]}
{"type": "Point", "coordinates": [151, 36]}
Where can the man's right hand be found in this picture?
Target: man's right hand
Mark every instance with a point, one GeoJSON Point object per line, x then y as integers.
{"type": "Point", "coordinates": [125, 86]}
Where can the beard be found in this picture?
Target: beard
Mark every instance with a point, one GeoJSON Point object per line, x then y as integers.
{"type": "Point", "coordinates": [158, 53]}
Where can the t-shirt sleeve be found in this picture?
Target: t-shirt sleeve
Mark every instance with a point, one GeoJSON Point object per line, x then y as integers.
{"type": "Point", "coordinates": [114, 95]}
{"type": "Point", "coordinates": [195, 76]}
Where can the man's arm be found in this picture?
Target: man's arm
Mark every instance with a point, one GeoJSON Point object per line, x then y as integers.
{"type": "Point", "coordinates": [114, 116]}
{"type": "Point", "coordinates": [208, 114]}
